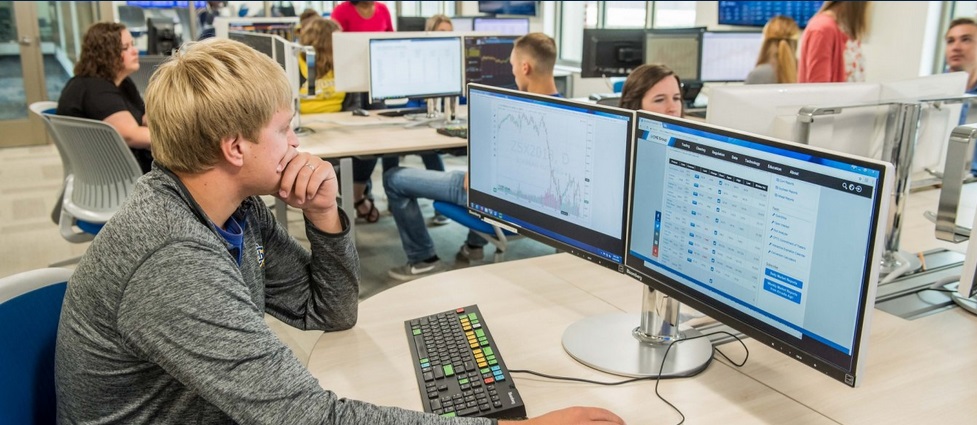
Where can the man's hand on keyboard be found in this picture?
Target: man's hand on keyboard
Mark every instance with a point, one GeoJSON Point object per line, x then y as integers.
{"type": "Point", "coordinates": [572, 416]}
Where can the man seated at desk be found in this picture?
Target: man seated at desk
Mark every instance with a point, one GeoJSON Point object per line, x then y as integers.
{"type": "Point", "coordinates": [162, 320]}
{"type": "Point", "coordinates": [533, 58]}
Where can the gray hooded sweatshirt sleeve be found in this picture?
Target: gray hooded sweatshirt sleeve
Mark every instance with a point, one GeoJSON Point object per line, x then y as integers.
{"type": "Point", "coordinates": [161, 324]}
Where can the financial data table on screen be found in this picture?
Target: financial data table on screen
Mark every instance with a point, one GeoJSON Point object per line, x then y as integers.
{"type": "Point", "coordinates": [415, 67]}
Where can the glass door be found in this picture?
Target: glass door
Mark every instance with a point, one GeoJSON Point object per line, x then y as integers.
{"type": "Point", "coordinates": [39, 43]}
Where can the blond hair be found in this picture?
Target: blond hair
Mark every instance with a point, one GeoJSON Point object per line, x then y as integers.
{"type": "Point", "coordinates": [208, 91]}
{"type": "Point", "coordinates": [318, 34]}
{"type": "Point", "coordinates": [433, 22]}
{"type": "Point", "coordinates": [541, 50]}
{"type": "Point", "coordinates": [780, 48]}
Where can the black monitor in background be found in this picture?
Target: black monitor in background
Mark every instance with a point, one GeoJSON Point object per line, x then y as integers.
{"type": "Point", "coordinates": [778, 240]}
{"type": "Point", "coordinates": [505, 26]}
{"type": "Point", "coordinates": [728, 55]}
{"type": "Point", "coordinates": [403, 68]}
{"type": "Point", "coordinates": [411, 23]}
{"type": "Point", "coordinates": [487, 60]}
{"type": "Point", "coordinates": [551, 169]}
{"type": "Point", "coordinates": [527, 8]}
{"type": "Point", "coordinates": [161, 37]}
{"type": "Point", "coordinates": [612, 52]}
{"type": "Point", "coordinates": [757, 13]}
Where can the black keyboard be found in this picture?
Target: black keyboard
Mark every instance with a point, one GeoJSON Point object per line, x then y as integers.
{"type": "Point", "coordinates": [459, 369]}
{"type": "Point", "coordinates": [402, 112]}
{"type": "Point", "coordinates": [454, 132]}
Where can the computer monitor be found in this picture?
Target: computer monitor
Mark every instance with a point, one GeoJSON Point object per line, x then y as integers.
{"type": "Point", "coordinates": [487, 60]}
{"type": "Point", "coordinates": [771, 110]}
{"type": "Point", "coordinates": [966, 295]}
{"type": "Point", "coordinates": [351, 63]}
{"type": "Point", "coordinates": [551, 169]}
{"type": "Point", "coordinates": [411, 23]}
{"type": "Point", "coordinates": [285, 53]}
{"type": "Point", "coordinates": [504, 26]}
{"type": "Point", "coordinates": [611, 52]}
{"type": "Point", "coordinates": [757, 13]}
{"type": "Point", "coordinates": [161, 37]}
{"type": "Point", "coordinates": [415, 68]}
{"type": "Point", "coordinates": [677, 49]}
{"type": "Point", "coordinates": [527, 8]}
{"type": "Point", "coordinates": [462, 24]}
{"type": "Point", "coordinates": [778, 240]}
{"type": "Point", "coordinates": [728, 55]}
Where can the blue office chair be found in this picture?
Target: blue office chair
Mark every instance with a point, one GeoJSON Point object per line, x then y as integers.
{"type": "Point", "coordinates": [30, 307]}
{"type": "Point", "coordinates": [494, 234]}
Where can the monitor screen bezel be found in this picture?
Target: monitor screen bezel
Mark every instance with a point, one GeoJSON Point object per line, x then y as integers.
{"type": "Point", "coordinates": [461, 74]}
{"type": "Point", "coordinates": [750, 326]}
{"type": "Point", "coordinates": [702, 45]}
{"type": "Point", "coordinates": [475, 198]}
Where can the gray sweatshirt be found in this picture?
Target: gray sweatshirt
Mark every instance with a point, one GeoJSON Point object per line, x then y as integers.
{"type": "Point", "coordinates": [161, 324]}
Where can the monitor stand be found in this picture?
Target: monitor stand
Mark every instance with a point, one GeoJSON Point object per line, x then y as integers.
{"type": "Point", "coordinates": [611, 343]}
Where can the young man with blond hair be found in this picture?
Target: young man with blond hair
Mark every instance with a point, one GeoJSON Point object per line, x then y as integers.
{"type": "Point", "coordinates": [162, 320]}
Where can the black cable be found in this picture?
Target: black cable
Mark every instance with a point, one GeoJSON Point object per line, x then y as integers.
{"type": "Point", "coordinates": [658, 378]}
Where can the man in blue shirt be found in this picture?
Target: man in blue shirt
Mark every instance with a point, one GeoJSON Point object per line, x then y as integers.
{"type": "Point", "coordinates": [961, 55]}
{"type": "Point", "coordinates": [533, 58]}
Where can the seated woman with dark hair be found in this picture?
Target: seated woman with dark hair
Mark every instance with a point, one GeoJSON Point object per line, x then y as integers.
{"type": "Point", "coordinates": [102, 90]}
{"type": "Point", "coordinates": [653, 88]}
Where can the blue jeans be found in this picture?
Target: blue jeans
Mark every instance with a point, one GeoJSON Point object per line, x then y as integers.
{"type": "Point", "coordinates": [403, 187]}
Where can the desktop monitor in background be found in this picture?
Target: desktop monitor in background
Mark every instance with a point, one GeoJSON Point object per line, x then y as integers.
{"type": "Point", "coordinates": [771, 110]}
{"type": "Point", "coordinates": [462, 24]}
{"type": "Point", "coordinates": [161, 37]}
{"type": "Point", "coordinates": [777, 240]}
{"type": "Point", "coordinates": [678, 49]}
{"type": "Point", "coordinates": [504, 26]}
{"type": "Point", "coordinates": [729, 55]}
{"type": "Point", "coordinates": [757, 13]}
{"type": "Point", "coordinates": [966, 296]}
{"type": "Point", "coordinates": [551, 169]}
{"type": "Point", "coordinates": [411, 23]}
{"type": "Point", "coordinates": [612, 52]}
{"type": "Point", "coordinates": [415, 68]}
{"type": "Point", "coordinates": [487, 60]}
{"type": "Point", "coordinates": [285, 53]}
{"type": "Point", "coordinates": [527, 8]}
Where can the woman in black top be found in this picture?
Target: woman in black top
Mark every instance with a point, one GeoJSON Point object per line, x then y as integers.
{"type": "Point", "coordinates": [101, 88]}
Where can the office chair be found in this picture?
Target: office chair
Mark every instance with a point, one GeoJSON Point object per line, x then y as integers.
{"type": "Point", "coordinates": [30, 307]}
{"type": "Point", "coordinates": [100, 172]}
{"type": "Point", "coordinates": [42, 109]}
{"type": "Point", "coordinates": [494, 234]}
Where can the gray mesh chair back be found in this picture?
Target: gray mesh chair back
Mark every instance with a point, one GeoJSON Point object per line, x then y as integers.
{"type": "Point", "coordinates": [42, 109]}
{"type": "Point", "coordinates": [103, 170]}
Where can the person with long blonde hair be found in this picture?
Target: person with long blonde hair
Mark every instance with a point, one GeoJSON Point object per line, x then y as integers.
{"type": "Point", "coordinates": [831, 47]}
{"type": "Point", "coordinates": [317, 32]}
{"type": "Point", "coordinates": [777, 62]}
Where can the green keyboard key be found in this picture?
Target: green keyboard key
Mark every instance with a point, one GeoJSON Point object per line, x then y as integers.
{"type": "Point", "coordinates": [448, 370]}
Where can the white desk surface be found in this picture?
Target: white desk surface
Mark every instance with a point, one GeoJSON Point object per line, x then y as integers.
{"type": "Point", "coordinates": [920, 371]}
{"type": "Point", "coordinates": [332, 139]}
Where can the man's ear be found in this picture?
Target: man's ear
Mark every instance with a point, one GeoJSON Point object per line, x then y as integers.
{"type": "Point", "coordinates": [526, 67]}
{"type": "Point", "coordinates": [233, 149]}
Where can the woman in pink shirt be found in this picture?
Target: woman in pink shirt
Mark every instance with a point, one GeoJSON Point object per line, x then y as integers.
{"type": "Point", "coordinates": [831, 47]}
{"type": "Point", "coordinates": [363, 16]}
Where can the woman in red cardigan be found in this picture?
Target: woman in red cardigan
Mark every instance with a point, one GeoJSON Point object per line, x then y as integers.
{"type": "Point", "coordinates": [831, 47]}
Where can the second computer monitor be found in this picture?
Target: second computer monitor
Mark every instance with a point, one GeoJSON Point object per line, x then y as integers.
{"type": "Point", "coordinates": [487, 60]}
{"type": "Point", "coordinates": [415, 68]}
{"type": "Point", "coordinates": [611, 52]}
{"type": "Point", "coordinates": [506, 26]}
{"type": "Point", "coordinates": [554, 169]}
{"type": "Point", "coordinates": [729, 55]}
{"type": "Point", "coordinates": [778, 240]}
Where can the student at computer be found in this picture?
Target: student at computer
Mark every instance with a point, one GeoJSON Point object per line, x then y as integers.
{"type": "Point", "coordinates": [102, 90]}
{"type": "Point", "coordinates": [317, 32]}
{"type": "Point", "coordinates": [654, 88]}
{"type": "Point", "coordinates": [163, 318]}
{"type": "Point", "coordinates": [777, 62]}
{"type": "Point", "coordinates": [961, 55]}
{"type": "Point", "coordinates": [831, 47]}
{"type": "Point", "coordinates": [532, 59]}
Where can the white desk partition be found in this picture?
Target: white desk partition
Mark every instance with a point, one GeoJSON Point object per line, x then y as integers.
{"type": "Point", "coordinates": [351, 54]}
